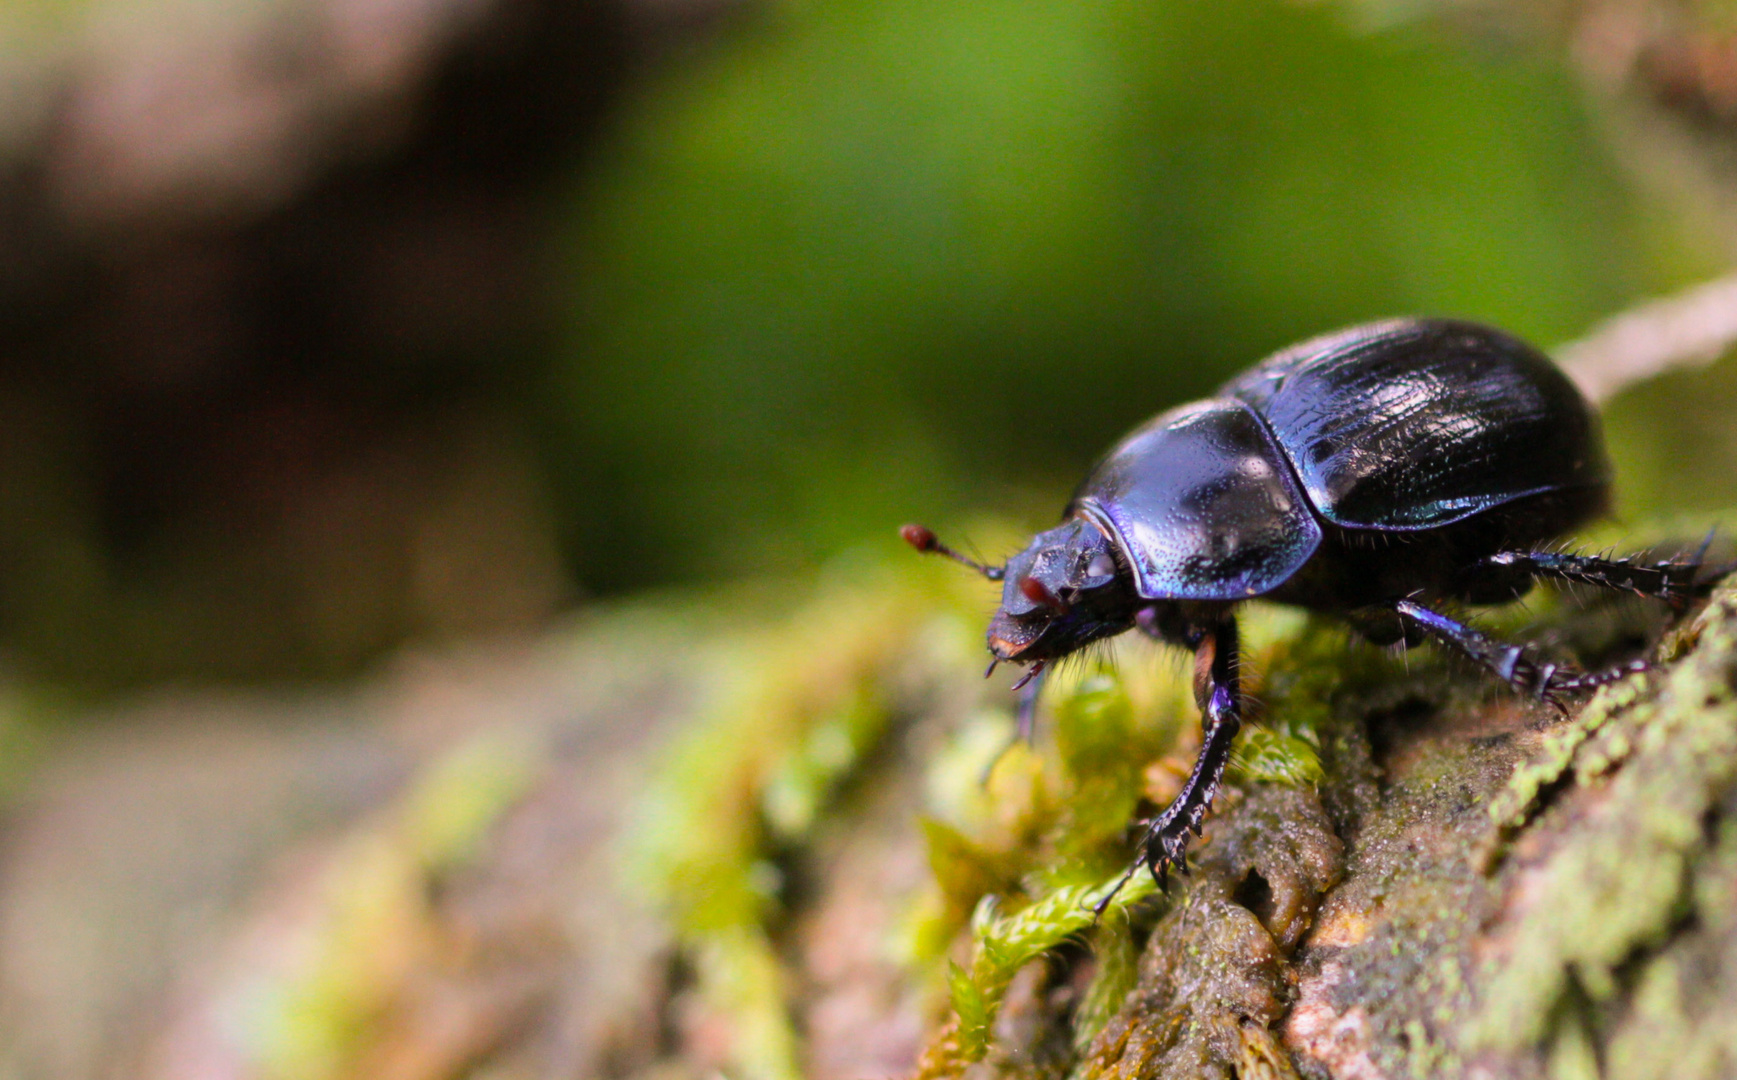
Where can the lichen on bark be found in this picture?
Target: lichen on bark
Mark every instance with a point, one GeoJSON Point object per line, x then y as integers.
{"type": "Point", "coordinates": [1477, 887]}
{"type": "Point", "coordinates": [1412, 872]}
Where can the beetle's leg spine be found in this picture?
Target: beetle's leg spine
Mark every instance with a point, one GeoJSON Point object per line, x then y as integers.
{"type": "Point", "coordinates": [1026, 712]}
{"type": "Point", "coordinates": [1507, 662]}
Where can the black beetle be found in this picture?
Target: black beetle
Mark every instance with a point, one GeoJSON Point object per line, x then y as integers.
{"type": "Point", "coordinates": [1373, 474]}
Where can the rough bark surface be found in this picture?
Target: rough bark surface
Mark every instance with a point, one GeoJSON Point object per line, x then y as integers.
{"type": "Point", "coordinates": [1516, 895]}
{"type": "Point", "coordinates": [1477, 886]}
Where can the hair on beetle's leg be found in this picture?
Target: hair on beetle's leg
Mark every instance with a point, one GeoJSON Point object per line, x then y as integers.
{"type": "Point", "coordinates": [1218, 689]}
{"type": "Point", "coordinates": [1510, 663]}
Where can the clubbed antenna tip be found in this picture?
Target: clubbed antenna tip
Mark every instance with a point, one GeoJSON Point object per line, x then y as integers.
{"type": "Point", "coordinates": [920, 538]}
{"type": "Point", "coordinates": [925, 541]}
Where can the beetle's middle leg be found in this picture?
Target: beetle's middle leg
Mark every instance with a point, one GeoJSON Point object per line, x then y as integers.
{"type": "Point", "coordinates": [1217, 688]}
{"type": "Point", "coordinates": [1509, 662]}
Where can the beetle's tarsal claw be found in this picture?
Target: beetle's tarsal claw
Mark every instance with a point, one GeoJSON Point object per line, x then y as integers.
{"type": "Point", "coordinates": [1542, 679]}
{"type": "Point", "coordinates": [1103, 903]}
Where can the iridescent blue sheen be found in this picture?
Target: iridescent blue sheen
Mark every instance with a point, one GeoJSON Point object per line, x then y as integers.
{"type": "Point", "coordinates": [1203, 505]}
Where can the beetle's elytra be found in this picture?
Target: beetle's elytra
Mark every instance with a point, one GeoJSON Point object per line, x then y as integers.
{"type": "Point", "coordinates": [1375, 474]}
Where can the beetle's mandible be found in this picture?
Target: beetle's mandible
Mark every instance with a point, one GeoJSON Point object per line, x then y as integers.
{"type": "Point", "coordinates": [1375, 474]}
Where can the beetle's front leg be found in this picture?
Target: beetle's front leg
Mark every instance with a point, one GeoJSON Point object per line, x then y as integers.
{"type": "Point", "coordinates": [1217, 689]}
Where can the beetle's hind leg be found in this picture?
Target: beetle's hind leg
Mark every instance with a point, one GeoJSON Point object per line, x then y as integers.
{"type": "Point", "coordinates": [1509, 662]}
{"type": "Point", "coordinates": [1676, 581]}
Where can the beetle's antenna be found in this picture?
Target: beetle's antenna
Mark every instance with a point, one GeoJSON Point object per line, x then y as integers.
{"type": "Point", "coordinates": [924, 540]}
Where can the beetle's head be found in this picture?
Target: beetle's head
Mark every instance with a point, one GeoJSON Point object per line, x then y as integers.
{"type": "Point", "coordinates": [1064, 591]}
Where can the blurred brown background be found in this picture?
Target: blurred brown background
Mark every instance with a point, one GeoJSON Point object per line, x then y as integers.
{"type": "Point", "coordinates": [274, 299]}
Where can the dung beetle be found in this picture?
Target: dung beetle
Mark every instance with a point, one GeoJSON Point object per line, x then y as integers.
{"type": "Point", "coordinates": [1374, 474]}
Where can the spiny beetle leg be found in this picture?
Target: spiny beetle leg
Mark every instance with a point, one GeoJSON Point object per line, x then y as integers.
{"type": "Point", "coordinates": [1675, 581]}
{"type": "Point", "coordinates": [1165, 844]}
{"type": "Point", "coordinates": [1592, 680]}
{"type": "Point", "coordinates": [1508, 662]}
{"type": "Point", "coordinates": [1025, 720]}
{"type": "Point", "coordinates": [1218, 687]}
{"type": "Point", "coordinates": [1026, 728]}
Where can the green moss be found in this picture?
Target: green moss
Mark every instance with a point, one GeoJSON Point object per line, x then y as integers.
{"type": "Point", "coordinates": [741, 976]}
{"type": "Point", "coordinates": [451, 809]}
{"type": "Point", "coordinates": [1114, 948]}
{"type": "Point", "coordinates": [1004, 944]}
{"type": "Point", "coordinates": [1102, 751]}
{"type": "Point", "coordinates": [1622, 880]}
{"type": "Point", "coordinates": [1516, 803]}
{"type": "Point", "coordinates": [1110, 725]}
{"type": "Point", "coordinates": [1269, 755]}
{"type": "Point", "coordinates": [306, 1018]}
{"type": "Point", "coordinates": [795, 708]}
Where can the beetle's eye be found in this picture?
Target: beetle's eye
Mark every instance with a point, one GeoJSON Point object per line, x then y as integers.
{"type": "Point", "coordinates": [1101, 566]}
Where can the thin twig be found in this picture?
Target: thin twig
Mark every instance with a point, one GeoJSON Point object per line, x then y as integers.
{"type": "Point", "coordinates": [1692, 329]}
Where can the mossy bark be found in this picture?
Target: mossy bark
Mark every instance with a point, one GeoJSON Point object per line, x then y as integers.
{"type": "Point", "coordinates": [1478, 888]}
{"type": "Point", "coordinates": [1413, 873]}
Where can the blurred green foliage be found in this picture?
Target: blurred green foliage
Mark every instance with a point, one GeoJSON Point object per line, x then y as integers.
{"type": "Point", "coordinates": [878, 260]}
